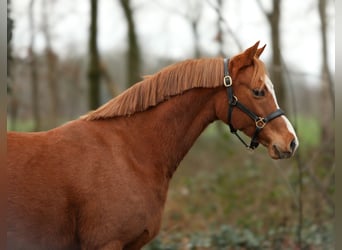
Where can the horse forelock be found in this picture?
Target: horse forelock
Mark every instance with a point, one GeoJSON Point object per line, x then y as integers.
{"type": "Point", "coordinates": [258, 81]}
{"type": "Point", "coordinates": [154, 89]}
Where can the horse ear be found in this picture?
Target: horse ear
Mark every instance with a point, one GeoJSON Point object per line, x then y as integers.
{"type": "Point", "coordinates": [259, 51]}
{"type": "Point", "coordinates": [243, 59]}
{"type": "Point", "coordinates": [250, 53]}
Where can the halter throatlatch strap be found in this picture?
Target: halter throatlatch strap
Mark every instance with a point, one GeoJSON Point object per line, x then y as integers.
{"type": "Point", "coordinates": [260, 122]}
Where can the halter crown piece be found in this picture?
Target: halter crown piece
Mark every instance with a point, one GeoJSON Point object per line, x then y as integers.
{"type": "Point", "coordinates": [260, 122]}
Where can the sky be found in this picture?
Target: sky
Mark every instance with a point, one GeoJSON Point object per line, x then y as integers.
{"type": "Point", "coordinates": [163, 31]}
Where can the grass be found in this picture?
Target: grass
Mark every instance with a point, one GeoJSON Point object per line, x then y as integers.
{"type": "Point", "coordinates": [27, 125]}
{"type": "Point", "coordinates": [23, 125]}
{"type": "Point", "coordinates": [308, 132]}
{"type": "Point", "coordinates": [227, 237]}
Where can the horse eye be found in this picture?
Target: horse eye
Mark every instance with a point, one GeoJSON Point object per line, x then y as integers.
{"type": "Point", "coordinates": [258, 92]}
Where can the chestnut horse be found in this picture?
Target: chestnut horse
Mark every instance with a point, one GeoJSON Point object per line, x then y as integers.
{"type": "Point", "coordinates": [101, 181]}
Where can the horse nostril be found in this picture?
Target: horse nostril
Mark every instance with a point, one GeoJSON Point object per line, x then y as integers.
{"type": "Point", "coordinates": [293, 145]}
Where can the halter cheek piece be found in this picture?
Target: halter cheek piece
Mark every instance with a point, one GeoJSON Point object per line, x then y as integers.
{"type": "Point", "coordinates": [260, 122]}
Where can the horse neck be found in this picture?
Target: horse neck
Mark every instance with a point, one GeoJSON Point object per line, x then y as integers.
{"type": "Point", "coordinates": [168, 130]}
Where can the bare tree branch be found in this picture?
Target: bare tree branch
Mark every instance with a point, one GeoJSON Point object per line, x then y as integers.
{"type": "Point", "coordinates": [108, 80]}
{"type": "Point", "coordinates": [171, 9]}
{"type": "Point", "coordinates": [192, 14]}
{"type": "Point", "coordinates": [225, 23]}
{"type": "Point", "coordinates": [262, 8]}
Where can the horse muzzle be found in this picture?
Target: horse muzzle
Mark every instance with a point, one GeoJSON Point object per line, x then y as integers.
{"type": "Point", "coordinates": [276, 151]}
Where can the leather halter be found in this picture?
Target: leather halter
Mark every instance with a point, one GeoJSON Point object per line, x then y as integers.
{"type": "Point", "coordinates": [260, 122]}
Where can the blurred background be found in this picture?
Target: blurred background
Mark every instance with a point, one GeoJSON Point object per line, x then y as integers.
{"type": "Point", "coordinates": [68, 57]}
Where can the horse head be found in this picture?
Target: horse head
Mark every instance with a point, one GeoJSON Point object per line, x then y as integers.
{"type": "Point", "coordinates": [252, 105]}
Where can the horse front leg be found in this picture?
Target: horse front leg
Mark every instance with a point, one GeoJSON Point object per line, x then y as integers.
{"type": "Point", "coordinates": [112, 245]}
{"type": "Point", "coordinates": [139, 242]}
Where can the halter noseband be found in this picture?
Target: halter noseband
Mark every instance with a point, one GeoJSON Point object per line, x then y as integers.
{"type": "Point", "coordinates": [260, 122]}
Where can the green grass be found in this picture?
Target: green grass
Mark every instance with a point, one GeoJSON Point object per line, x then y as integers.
{"type": "Point", "coordinates": [308, 132]}
{"type": "Point", "coordinates": [227, 237]}
{"type": "Point", "coordinates": [22, 125]}
{"type": "Point", "coordinates": [28, 125]}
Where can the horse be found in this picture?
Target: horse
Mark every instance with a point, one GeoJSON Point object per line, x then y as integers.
{"type": "Point", "coordinates": [101, 181]}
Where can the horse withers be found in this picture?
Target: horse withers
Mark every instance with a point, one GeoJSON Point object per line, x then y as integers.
{"type": "Point", "coordinates": [100, 182]}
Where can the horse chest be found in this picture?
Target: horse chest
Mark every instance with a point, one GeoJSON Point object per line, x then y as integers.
{"type": "Point", "coordinates": [121, 211]}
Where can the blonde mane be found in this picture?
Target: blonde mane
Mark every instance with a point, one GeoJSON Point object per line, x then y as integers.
{"type": "Point", "coordinates": [154, 89]}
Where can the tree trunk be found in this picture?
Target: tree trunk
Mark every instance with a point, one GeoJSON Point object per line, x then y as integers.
{"type": "Point", "coordinates": [219, 36]}
{"type": "Point", "coordinates": [9, 22]}
{"type": "Point", "coordinates": [327, 101]}
{"type": "Point", "coordinates": [277, 67]}
{"type": "Point", "coordinates": [34, 72]}
{"type": "Point", "coordinates": [133, 57]}
{"type": "Point", "coordinates": [13, 101]}
{"type": "Point", "coordinates": [9, 38]}
{"type": "Point", "coordinates": [51, 59]}
{"type": "Point", "coordinates": [94, 74]}
{"type": "Point", "coordinates": [276, 71]}
{"type": "Point", "coordinates": [194, 28]}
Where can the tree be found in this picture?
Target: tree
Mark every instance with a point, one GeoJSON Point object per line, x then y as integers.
{"type": "Point", "coordinates": [9, 36]}
{"type": "Point", "coordinates": [13, 101]}
{"type": "Point", "coordinates": [34, 72]}
{"type": "Point", "coordinates": [223, 27]}
{"type": "Point", "coordinates": [276, 71]}
{"type": "Point", "coordinates": [133, 54]}
{"type": "Point", "coordinates": [191, 12]}
{"type": "Point", "coordinates": [327, 101]}
{"type": "Point", "coordinates": [94, 73]}
{"type": "Point", "coordinates": [193, 15]}
{"type": "Point", "coordinates": [51, 59]}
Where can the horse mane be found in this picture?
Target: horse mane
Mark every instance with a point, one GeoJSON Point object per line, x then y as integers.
{"type": "Point", "coordinates": [170, 81]}
{"type": "Point", "coordinates": [153, 89]}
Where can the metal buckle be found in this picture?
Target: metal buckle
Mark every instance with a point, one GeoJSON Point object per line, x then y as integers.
{"type": "Point", "coordinates": [234, 101]}
{"type": "Point", "coordinates": [260, 123]}
{"type": "Point", "coordinates": [225, 78]}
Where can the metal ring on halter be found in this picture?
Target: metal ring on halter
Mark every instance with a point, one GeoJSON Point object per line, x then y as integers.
{"type": "Point", "coordinates": [225, 78]}
{"type": "Point", "coordinates": [260, 123]}
{"type": "Point", "coordinates": [234, 101]}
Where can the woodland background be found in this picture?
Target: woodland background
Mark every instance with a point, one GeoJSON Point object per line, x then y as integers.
{"type": "Point", "coordinates": [222, 196]}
